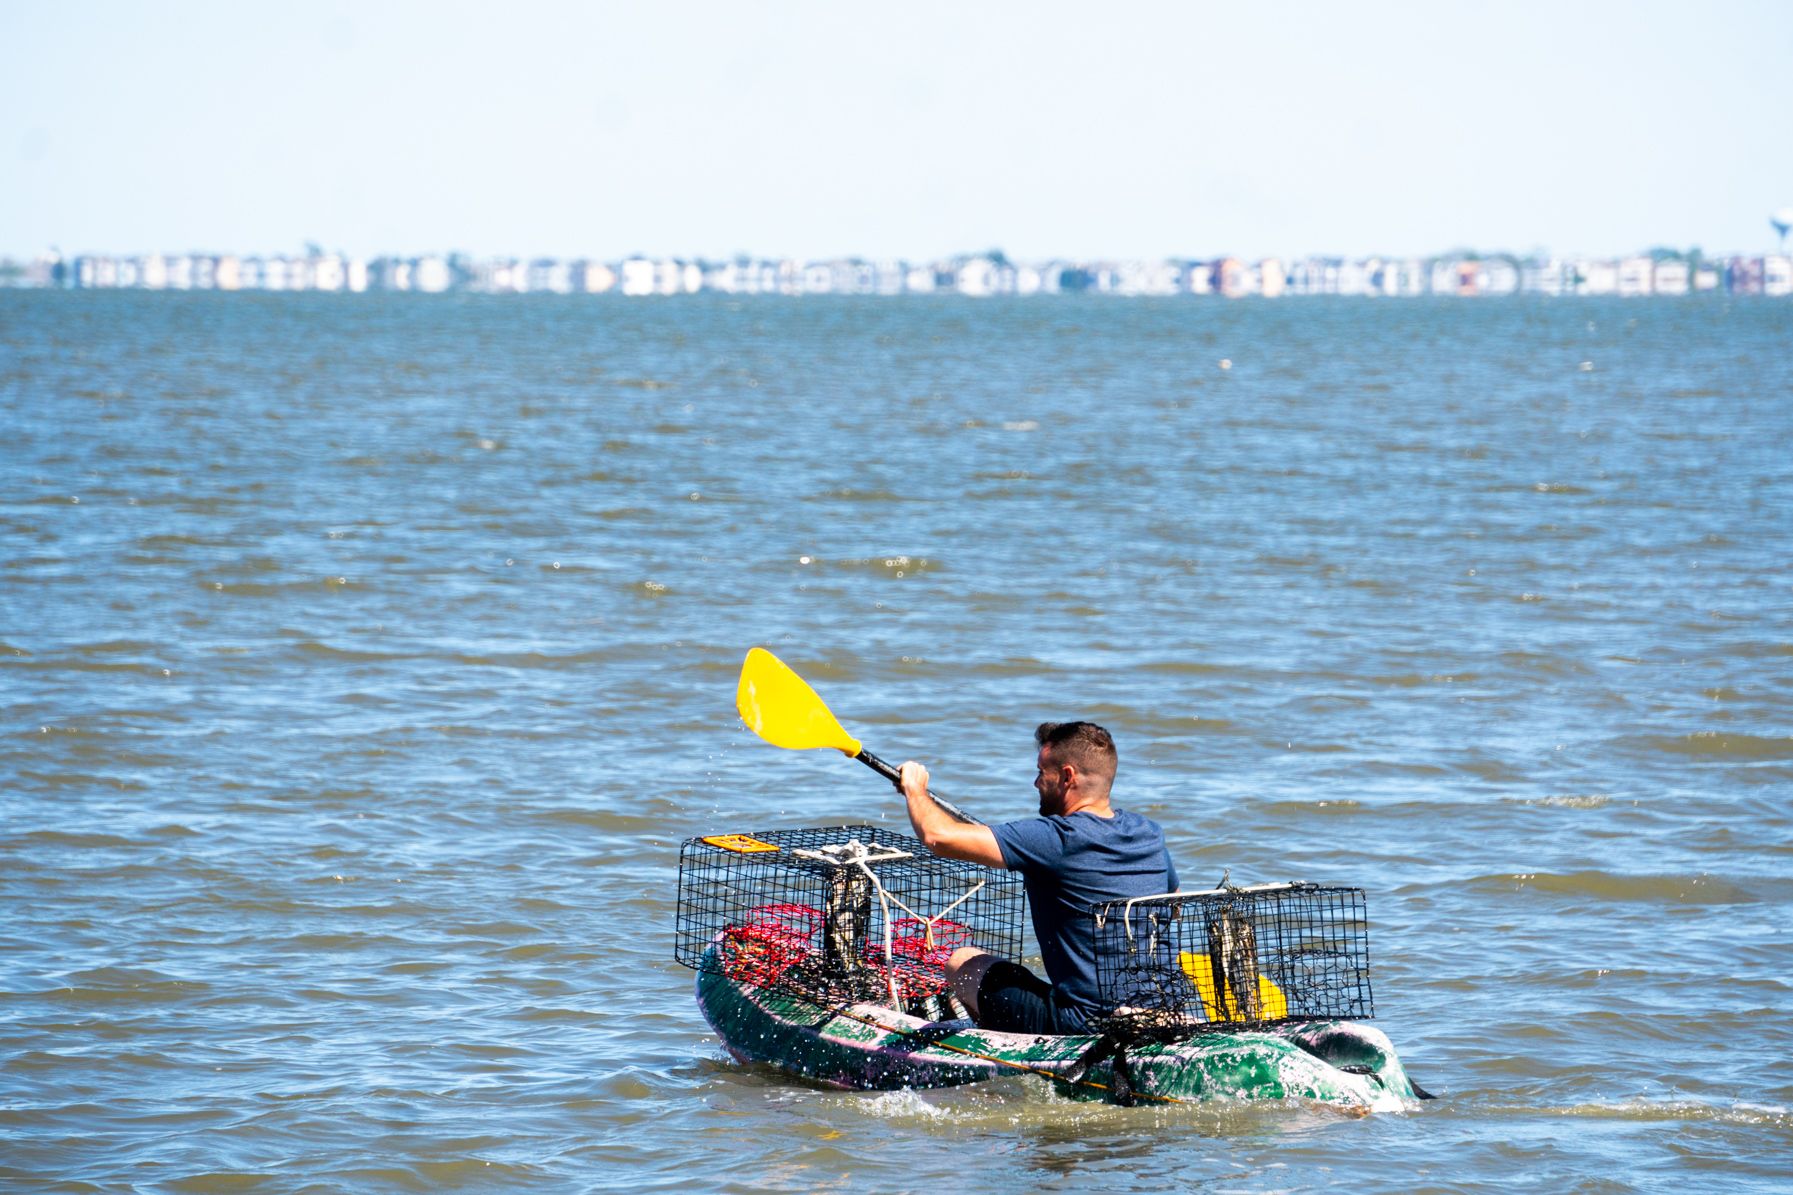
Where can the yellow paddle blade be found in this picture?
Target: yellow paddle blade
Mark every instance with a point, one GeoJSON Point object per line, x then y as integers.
{"type": "Point", "coordinates": [780, 707]}
{"type": "Point", "coordinates": [1272, 1004]}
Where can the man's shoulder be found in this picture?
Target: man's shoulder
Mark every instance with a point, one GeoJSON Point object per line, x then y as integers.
{"type": "Point", "coordinates": [1122, 823]}
{"type": "Point", "coordinates": [1031, 840]}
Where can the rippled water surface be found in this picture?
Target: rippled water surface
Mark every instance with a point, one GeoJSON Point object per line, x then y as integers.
{"type": "Point", "coordinates": [365, 659]}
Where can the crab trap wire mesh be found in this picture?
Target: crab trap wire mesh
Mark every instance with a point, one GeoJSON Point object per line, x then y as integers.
{"type": "Point", "coordinates": [848, 913]}
{"type": "Point", "coordinates": [1236, 958]}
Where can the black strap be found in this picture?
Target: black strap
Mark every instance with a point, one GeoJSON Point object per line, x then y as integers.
{"type": "Point", "coordinates": [1122, 1092]}
{"type": "Point", "coordinates": [1105, 1047]}
{"type": "Point", "coordinates": [1098, 1053]}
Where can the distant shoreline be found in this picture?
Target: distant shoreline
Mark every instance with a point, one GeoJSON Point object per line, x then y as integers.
{"type": "Point", "coordinates": [980, 275]}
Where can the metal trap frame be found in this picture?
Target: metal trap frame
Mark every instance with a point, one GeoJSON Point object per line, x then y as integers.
{"type": "Point", "coordinates": [847, 913]}
{"type": "Point", "coordinates": [1172, 966]}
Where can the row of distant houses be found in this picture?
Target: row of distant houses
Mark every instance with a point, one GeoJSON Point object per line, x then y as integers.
{"type": "Point", "coordinates": [977, 275]}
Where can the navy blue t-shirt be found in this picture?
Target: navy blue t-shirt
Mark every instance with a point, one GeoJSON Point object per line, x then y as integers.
{"type": "Point", "coordinates": [1070, 864]}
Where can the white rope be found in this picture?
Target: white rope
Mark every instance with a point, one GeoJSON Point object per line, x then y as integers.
{"type": "Point", "coordinates": [861, 855]}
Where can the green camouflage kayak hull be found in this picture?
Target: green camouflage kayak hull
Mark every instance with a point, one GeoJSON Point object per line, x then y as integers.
{"type": "Point", "coordinates": [870, 1047]}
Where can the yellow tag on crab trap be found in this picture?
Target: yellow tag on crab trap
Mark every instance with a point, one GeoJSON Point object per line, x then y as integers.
{"type": "Point", "coordinates": [740, 843]}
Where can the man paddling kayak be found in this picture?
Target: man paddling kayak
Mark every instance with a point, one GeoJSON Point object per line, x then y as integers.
{"type": "Point", "coordinates": [1079, 852]}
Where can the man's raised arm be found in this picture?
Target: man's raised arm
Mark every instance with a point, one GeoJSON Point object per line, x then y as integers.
{"type": "Point", "coordinates": [943, 833]}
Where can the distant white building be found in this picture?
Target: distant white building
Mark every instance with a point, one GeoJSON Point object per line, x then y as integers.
{"type": "Point", "coordinates": [976, 277]}
{"type": "Point", "coordinates": [392, 273]}
{"type": "Point", "coordinates": [1378, 279]}
{"type": "Point", "coordinates": [327, 273]}
{"type": "Point", "coordinates": [677, 278]}
{"type": "Point", "coordinates": [1777, 276]}
{"type": "Point", "coordinates": [1671, 278]}
{"type": "Point", "coordinates": [888, 276]}
{"type": "Point", "coordinates": [1446, 277]}
{"type": "Point", "coordinates": [1234, 278]}
{"type": "Point", "coordinates": [1157, 278]}
{"type": "Point", "coordinates": [550, 275]}
{"type": "Point", "coordinates": [593, 277]}
{"type": "Point", "coordinates": [431, 275]}
{"type": "Point", "coordinates": [1542, 277]}
{"type": "Point", "coordinates": [1592, 277]}
{"type": "Point", "coordinates": [1636, 275]}
{"type": "Point", "coordinates": [638, 276]}
{"type": "Point", "coordinates": [502, 276]}
{"type": "Point", "coordinates": [1496, 276]}
{"type": "Point", "coordinates": [1272, 278]}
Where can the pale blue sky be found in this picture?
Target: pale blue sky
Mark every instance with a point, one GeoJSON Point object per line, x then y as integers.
{"type": "Point", "coordinates": [894, 130]}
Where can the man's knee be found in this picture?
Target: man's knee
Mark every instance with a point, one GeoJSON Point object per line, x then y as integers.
{"type": "Point", "coordinates": [965, 974]}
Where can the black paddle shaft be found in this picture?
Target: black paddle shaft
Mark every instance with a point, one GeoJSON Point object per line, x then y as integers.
{"type": "Point", "coordinates": [895, 776]}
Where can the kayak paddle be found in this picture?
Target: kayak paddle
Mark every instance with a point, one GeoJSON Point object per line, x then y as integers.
{"type": "Point", "coordinates": [780, 707]}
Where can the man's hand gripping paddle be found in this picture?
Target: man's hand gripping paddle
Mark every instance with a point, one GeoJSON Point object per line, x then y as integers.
{"type": "Point", "coordinates": [780, 707]}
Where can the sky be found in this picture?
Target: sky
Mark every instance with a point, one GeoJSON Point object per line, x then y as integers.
{"type": "Point", "coordinates": [905, 130]}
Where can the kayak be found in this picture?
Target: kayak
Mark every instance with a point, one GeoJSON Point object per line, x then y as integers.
{"type": "Point", "coordinates": [822, 952]}
{"type": "Point", "coordinates": [870, 1046]}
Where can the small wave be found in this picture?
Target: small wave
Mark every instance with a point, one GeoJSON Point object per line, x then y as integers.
{"type": "Point", "coordinates": [1343, 805]}
{"type": "Point", "coordinates": [1549, 665]}
{"type": "Point", "coordinates": [53, 664]}
{"type": "Point", "coordinates": [1601, 885]}
{"type": "Point", "coordinates": [111, 985]}
{"type": "Point", "coordinates": [476, 1173]}
{"type": "Point", "coordinates": [1721, 744]}
{"type": "Point", "coordinates": [1415, 680]}
{"type": "Point", "coordinates": [541, 659]}
{"type": "Point", "coordinates": [222, 1180]}
{"type": "Point", "coordinates": [275, 589]}
{"type": "Point", "coordinates": [66, 838]}
{"type": "Point", "coordinates": [328, 651]}
{"type": "Point", "coordinates": [1568, 801]}
{"type": "Point", "coordinates": [1183, 668]}
{"type": "Point", "coordinates": [894, 567]}
{"type": "Point", "coordinates": [109, 647]}
{"type": "Point", "coordinates": [1740, 1112]}
{"type": "Point", "coordinates": [904, 1105]}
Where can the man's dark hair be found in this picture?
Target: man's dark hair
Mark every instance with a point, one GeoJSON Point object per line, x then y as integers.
{"type": "Point", "coordinates": [1084, 745]}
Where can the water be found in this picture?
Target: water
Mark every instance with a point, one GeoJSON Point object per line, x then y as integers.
{"type": "Point", "coordinates": [365, 660]}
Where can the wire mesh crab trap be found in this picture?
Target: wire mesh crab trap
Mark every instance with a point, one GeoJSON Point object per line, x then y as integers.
{"type": "Point", "coordinates": [1235, 958]}
{"type": "Point", "coordinates": [852, 913]}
